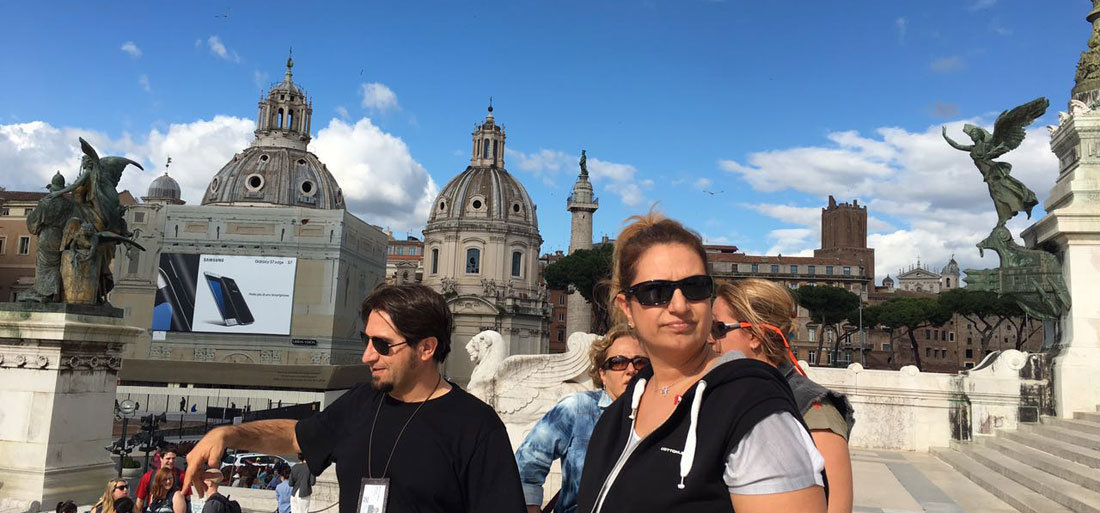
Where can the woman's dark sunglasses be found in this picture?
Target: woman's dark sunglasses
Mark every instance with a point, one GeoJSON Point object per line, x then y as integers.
{"type": "Point", "coordinates": [381, 346]}
{"type": "Point", "coordinates": [619, 363]}
{"type": "Point", "coordinates": [122, 487]}
{"type": "Point", "coordinates": [719, 329]}
{"type": "Point", "coordinates": [659, 292]}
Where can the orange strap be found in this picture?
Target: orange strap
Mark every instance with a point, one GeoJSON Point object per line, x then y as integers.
{"type": "Point", "coordinates": [786, 344]}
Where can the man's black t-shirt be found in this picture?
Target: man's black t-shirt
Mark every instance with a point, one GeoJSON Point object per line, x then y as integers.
{"type": "Point", "coordinates": [453, 457]}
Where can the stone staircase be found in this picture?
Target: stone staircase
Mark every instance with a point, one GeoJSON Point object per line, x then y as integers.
{"type": "Point", "coordinates": [1049, 467]}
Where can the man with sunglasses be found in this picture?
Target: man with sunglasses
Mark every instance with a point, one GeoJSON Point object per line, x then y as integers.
{"type": "Point", "coordinates": [432, 445]}
{"type": "Point", "coordinates": [564, 431]}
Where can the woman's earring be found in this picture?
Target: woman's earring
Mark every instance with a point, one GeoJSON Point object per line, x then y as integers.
{"type": "Point", "coordinates": [630, 325]}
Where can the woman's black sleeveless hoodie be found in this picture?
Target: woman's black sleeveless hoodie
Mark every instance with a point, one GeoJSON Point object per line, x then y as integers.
{"type": "Point", "coordinates": [679, 466]}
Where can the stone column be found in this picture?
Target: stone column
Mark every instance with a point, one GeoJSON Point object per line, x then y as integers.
{"type": "Point", "coordinates": [1071, 229]}
{"type": "Point", "coordinates": [58, 371]}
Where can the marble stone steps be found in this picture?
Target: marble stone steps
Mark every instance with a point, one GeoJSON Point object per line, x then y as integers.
{"type": "Point", "coordinates": [1083, 426]}
{"type": "Point", "coordinates": [1083, 439]}
{"type": "Point", "coordinates": [1091, 416]}
{"type": "Point", "coordinates": [1069, 451]}
{"type": "Point", "coordinates": [1077, 473]}
{"type": "Point", "coordinates": [1073, 496]}
{"type": "Point", "coordinates": [1019, 497]}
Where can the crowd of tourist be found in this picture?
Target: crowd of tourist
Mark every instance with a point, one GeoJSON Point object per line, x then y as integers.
{"type": "Point", "coordinates": [700, 405]}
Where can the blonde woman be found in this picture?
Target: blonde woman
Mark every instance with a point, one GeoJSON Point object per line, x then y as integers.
{"type": "Point", "coordinates": [693, 431]}
{"type": "Point", "coordinates": [751, 316]}
{"type": "Point", "coordinates": [564, 431]}
{"type": "Point", "coordinates": [116, 489]}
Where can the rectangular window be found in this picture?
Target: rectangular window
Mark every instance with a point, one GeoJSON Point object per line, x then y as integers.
{"type": "Point", "coordinates": [811, 334]}
{"type": "Point", "coordinates": [813, 269]}
{"type": "Point", "coordinates": [4, 211]}
{"type": "Point", "coordinates": [139, 217]}
{"type": "Point", "coordinates": [828, 269]}
{"type": "Point", "coordinates": [886, 347]}
{"type": "Point", "coordinates": [812, 358]}
{"type": "Point", "coordinates": [775, 268]}
{"type": "Point", "coordinates": [435, 260]}
{"type": "Point", "coordinates": [928, 334]}
{"type": "Point", "coordinates": [561, 317]}
{"type": "Point", "coordinates": [927, 352]}
{"type": "Point", "coordinates": [3, 244]}
{"type": "Point", "coordinates": [473, 261]}
{"type": "Point", "coordinates": [794, 269]}
{"type": "Point", "coordinates": [755, 268]}
{"type": "Point", "coordinates": [847, 271]}
{"type": "Point", "coordinates": [951, 336]}
{"type": "Point", "coordinates": [561, 300]}
{"type": "Point", "coordinates": [24, 245]}
{"type": "Point", "coordinates": [517, 260]}
{"type": "Point", "coordinates": [969, 353]}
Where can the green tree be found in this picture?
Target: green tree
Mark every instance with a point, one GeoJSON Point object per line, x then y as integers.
{"type": "Point", "coordinates": [984, 309]}
{"type": "Point", "coordinates": [911, 313]}
{"type": "Point", "coordinates": [586, 271]}
{"type": "Point", "coordinates": [829, 306]}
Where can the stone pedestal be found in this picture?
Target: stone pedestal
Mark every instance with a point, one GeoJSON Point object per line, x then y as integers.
{"type": "Point", "coordinates": [58, 372]}
{"type": "Point", "coordinates": [1071, 229]}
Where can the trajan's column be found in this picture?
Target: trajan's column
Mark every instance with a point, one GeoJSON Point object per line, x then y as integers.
{"type": "Point", "coordinates": [582, 203]}
{"type": "Point", "coordinates": [1071, 229]}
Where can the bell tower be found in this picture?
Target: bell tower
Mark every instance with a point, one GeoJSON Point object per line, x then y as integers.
{"type": "Point", "coordinates": [284, 116]}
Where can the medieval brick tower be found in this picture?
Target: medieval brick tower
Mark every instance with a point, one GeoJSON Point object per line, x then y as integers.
{"type": "Point", "coordinates": [844, 234]}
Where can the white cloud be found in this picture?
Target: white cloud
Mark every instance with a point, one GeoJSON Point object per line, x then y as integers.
{"type": "Point", "coordinates": [902, 26]}
{"type": "Point", "coordinates": [931, 191]}
{"type": "Point", "coordinates": [342, 111]}
{"type": "Point", "coordinates": [617, 178]}
{"type": "Point", "coordinates": [261, 79]}
{"type": "Point", "coordinates": [702, 184]}
{"type": "Point", "coordinates": [30, 153]}
{"type": "Point", "coordinates": [382, 182]}
{"type": "Point", "coordinates": [793, 241]}
{"type": "Point", "coordinates": [132, 49]}
{"type": "Point", "coordinates": [377, 97]}
{"type": "Point", "coordinates": [218, 48]}
{"type": "Point", "coordinates": [143, 81]}
{"type": "Point", "coordinates": [948, 64]}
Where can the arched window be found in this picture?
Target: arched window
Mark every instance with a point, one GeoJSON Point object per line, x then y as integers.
{"type": "Point", "coordinates": [494, 149]}
{"type": "Point", "coordinates": [485, 149]}
{"type": "Point", "coordinates": [280, 125]}
{"type": "Point", "coordinates": [435, 260]}
{"type": "Point", "coordinates": [948, 282]}
{"type": "Point", "coordinates": [290, 120]}
{"type": "Point", "coordinates": [473, 261]}
{"type": "Point", "coordinates": [517, 261]}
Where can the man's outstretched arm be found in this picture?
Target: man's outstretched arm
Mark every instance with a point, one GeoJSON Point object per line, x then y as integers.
{"type": "Point", "coordinates": [264, 436]}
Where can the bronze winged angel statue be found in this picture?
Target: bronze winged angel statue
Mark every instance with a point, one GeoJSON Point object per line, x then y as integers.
{"type": "Point", "coordinates": [1010, 196]}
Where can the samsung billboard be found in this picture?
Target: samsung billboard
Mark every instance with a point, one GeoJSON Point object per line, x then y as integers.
{"type": "Point", "coordinates": [224, 294]}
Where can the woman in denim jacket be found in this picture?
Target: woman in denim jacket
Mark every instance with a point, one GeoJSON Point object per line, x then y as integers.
{"type": "Point", "coordinates": [564, 431]}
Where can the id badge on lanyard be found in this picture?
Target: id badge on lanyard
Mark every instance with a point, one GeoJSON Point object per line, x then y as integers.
{"type": "Point", "coordinates": [373, 494]}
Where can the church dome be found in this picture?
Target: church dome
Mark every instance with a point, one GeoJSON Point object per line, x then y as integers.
{"type": "Point", "coordinates": [485, 190]}
{"type": "Point", "coordinates": [275, 176]}
{"type": "Point", "coordinates": [888, 281]}
{"type": "Point", "coordinates": [277, 169]}
{"type": "Point", "coordinates": [952, 267]}
{"type": "Point", "coordinates": [484, 193]}
{"type": "Point", "coordinates": [164, 188]}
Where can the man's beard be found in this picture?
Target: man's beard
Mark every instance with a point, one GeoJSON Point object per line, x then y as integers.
{"type": "Point", "coordinates": [385, 388]}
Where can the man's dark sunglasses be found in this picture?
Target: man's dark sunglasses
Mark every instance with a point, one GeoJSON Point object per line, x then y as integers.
{"type": "Point", "coordinates": [381, 346]}
{"type": "Point", "coordinates": [619, 363]}
{"type": "Point", "coordinates": [659, 292]}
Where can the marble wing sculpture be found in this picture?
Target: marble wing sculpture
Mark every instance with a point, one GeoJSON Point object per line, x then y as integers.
{"type": "Point", "coordinates": [521, 388]}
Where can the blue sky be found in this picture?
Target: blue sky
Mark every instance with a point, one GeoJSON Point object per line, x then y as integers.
{"type": "Point", "coordinates": [739, 117]}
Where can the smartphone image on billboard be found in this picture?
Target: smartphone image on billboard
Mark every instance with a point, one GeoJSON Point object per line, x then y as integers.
{"type": "Point", "coordinates": [244, 315]}
{"type": "Point", "coordinates": [222, 299]}
{"type": "Point", "coordinates": [170, 311]}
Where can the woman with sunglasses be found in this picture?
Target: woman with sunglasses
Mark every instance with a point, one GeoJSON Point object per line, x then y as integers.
{"type": "Point", "coordinates": [751, 316]}
{"type": "Point", "coordinates": [564, 431]}
{"type": "Point", "coordinates": [116, 489]}
{"type": "Point", "coordinates": [692, 432]}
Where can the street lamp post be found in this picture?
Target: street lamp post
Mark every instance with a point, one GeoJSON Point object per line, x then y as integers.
{"type": "Point", "coordinates": [126, 410]}
{"type": "Point", "coordinates": [862, 339]}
